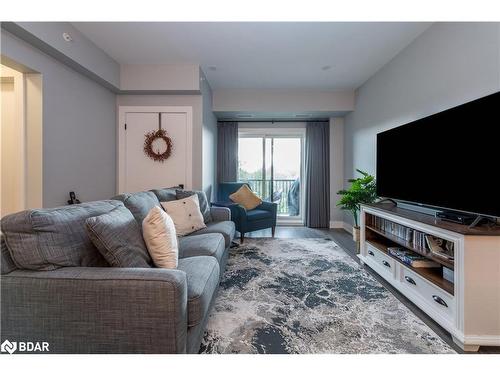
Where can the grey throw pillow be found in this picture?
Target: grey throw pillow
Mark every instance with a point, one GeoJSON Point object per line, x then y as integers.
{"type": "Point", "coordinates": [118, 238]}
{"type": "Point", "coordinates": [202, 198]}
{"type": "Point", "coordinates": [165, 195]}
{"type": "Point", "coordinates": [139, 204]}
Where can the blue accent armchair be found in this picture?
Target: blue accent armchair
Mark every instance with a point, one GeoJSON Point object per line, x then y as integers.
{"type": "Point", "coordinates": [261, 217]}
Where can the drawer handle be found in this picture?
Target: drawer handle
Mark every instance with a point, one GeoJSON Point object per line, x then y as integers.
{"type": "Point", "coordinates": [439, 300]}
{"type": "Point", "coordinates": [410, 280]}
{"type": "Point", "coordinates": [386, 263]}
{"type": "Point", "coordinates": [371, 253]}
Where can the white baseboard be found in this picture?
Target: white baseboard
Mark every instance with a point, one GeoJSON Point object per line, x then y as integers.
{"type": "Point", "coordinates": [347, 227]}
{"type": "Point", "coordinates": [336, 224]}
{"type": "Point", "coordinates": [341, 225]}
{"type": "Point", "coordinates": [289, 223]}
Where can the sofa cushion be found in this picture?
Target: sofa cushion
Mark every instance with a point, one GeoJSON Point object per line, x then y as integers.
{"type": "Point", "coordinates": [202, 275]}
{"type": "Point", "coordinates": [161, 239]}
{"type": "Point", "coordinates": [46, 239]}
{"type": "Point", "coordinates": [165, 195]}
{"type": "Point", "coordinates": [139, 204]}
{"type": "Point", "coordinates": [186, 214]}
{"type": "Point", "coordinates": [210, 244]}
{"type": "Point", "coordinates": [226, 228]}
{"type": "Point", "coordinates": [118, 238]}
{"type": "Point", "coordinates": [202, 199]}
{"type": "Point", "coordinates": [259, 214]}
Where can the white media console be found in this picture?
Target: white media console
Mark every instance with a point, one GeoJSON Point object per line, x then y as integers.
{"type": "Point", "coordinates": [469, 307]}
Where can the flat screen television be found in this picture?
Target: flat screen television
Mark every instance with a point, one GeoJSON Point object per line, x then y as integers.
{"type": "Point", "coordinates": [449, 160]}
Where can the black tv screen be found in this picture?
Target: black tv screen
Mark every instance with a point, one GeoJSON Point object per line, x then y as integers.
{"type": "Point", "coordinates": [448, 160]}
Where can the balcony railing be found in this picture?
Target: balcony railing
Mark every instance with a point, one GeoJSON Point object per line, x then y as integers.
{"type": "Point", "coordinates": [280, 192]}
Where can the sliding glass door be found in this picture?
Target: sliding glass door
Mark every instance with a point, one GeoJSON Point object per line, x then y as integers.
{"type": "Point", "coordinates": [272, 165]}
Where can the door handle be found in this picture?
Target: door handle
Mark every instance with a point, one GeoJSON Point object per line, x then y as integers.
{"type": "Point", "coordinates": [439, 300]}
{"type": "Point", "coordinates": [386, 263]}
{"type": "Point", "coordinates": [410, 280]}
{"type": "Point", "coordinates": [371, 253]}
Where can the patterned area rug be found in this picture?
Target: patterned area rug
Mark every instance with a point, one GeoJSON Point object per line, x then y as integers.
{"type": "Point", "coordinates": [309, 296]}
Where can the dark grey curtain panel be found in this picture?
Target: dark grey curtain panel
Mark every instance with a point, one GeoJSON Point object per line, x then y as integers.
{"type": "Point", "coordinates": [227, 151]}
{"type": "Point", "coordinates": [317, 174]}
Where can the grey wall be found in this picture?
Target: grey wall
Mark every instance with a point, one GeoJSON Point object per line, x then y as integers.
{"type": "Point", "coordinates": [80, 52]}
{"type": "Point", "coordinates": [448, 65]}
{"type": "Point", "coordinates": [336, 169]}
{"type": "Point", "coordinates": [177, 78]}
{"type": "Point", "coordinates": [254, 100]}
{"type": "Point", "coordinates": [209, 136]}
{"type": "Point", "coordinates": [78, 128]}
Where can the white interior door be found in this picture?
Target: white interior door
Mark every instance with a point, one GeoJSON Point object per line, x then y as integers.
{"type": "Point", "coordinates": [138, 171]}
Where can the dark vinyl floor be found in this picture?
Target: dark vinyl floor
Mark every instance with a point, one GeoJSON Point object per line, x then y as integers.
{"type": "Point", "coordinates": [344, 239]}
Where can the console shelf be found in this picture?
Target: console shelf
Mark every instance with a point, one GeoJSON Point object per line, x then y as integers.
{"type": "Point", "coordinates": [408, 245]}
{"type": "Point", "coordinates": [469, 306]}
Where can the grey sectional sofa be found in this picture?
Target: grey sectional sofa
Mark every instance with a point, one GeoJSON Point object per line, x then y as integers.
{"type": "Point", "coordinates": [57, 288]}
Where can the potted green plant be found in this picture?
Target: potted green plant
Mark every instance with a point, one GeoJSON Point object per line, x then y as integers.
{"type": "Point", "coordinates": [362, 190]}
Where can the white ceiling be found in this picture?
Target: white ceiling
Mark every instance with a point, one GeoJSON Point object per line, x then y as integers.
{"type": "Point", "coordinates": [285, 55]}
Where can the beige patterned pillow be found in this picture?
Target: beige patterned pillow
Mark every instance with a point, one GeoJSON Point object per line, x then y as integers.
{"type": "Point", "coordinates": [186, 214]}
{"type": "Point", "coordinates": [158, 231]}
{"type": "Point", "coordinates": [246, 197]}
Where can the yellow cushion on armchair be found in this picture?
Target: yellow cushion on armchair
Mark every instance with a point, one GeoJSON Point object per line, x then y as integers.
{"type": "Point", "coordinates": [246, 197]}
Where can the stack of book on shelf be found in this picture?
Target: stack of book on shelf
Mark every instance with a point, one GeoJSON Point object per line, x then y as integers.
{"type": "Point", "coordinates": [412, 259]}
{"type": "Point", "coordinates": [419, 239]}
{"type": "Point", "coordinates": [390, 227]}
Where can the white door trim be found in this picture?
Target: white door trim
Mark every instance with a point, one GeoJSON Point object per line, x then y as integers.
{"type": "Point", "coordinates": [122, 113]}
{"type": "Point", "coordinates": [15, 143]}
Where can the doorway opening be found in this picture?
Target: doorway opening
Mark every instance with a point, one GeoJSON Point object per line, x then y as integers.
{"type": "Point", "coordinates": [271, 162]}
{"type": "Point", "coordinates": [20, 139]}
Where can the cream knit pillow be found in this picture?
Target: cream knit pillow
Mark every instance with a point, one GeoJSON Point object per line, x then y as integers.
{"type": "Point", "coordinates": [159, 235]}
{"type": "Point", "coordinates": [186, 214]}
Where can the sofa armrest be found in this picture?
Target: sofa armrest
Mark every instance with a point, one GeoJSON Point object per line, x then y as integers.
{"type": "Point", "coordinates": [272, 207]}
{"type": "Point", "coordinates": [220, 213]}
{"type": "Point", "coordinates": [97, 310]}
{"type": "Point", "coordinates": [238, 212]}
{"type": "Point", "coordinates": [224, 204]}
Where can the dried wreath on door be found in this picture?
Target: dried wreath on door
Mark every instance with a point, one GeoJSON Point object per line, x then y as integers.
{"type": "Point", "coordinates": [158, 145]}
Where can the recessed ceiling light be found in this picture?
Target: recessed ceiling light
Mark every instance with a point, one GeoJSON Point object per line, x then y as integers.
{"type": "Point", "coordinates": [213, 68]}
{"type": "Point", "coordinates": [326, 67]}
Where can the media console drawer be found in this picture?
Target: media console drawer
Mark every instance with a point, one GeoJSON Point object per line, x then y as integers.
{"type": "Point", "coordinates": [386, 263]}
{"type": "Point", "coordinates": [434, 296]}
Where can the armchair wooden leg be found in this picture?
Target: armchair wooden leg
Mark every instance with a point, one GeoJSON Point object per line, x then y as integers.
{"type": "Point", "coordinates": [273, 230]}
{"type": "Point", "coordinates": [242, 237]}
